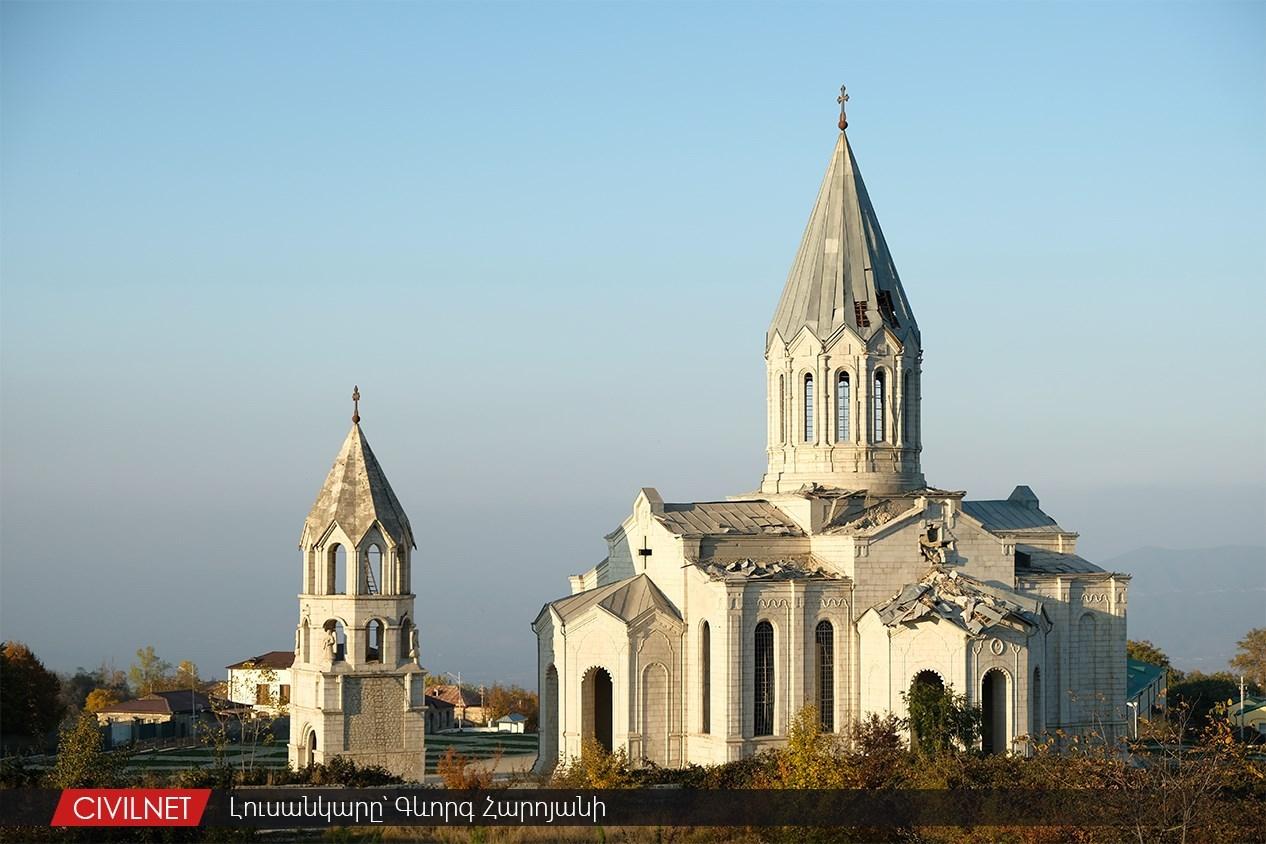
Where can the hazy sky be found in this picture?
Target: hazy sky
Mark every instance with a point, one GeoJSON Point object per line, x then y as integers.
{"type": "Point", "coordinates": [545, 240]}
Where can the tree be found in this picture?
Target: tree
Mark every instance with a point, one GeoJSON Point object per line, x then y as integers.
{"type": "Point", "coordinates": [1145, 651]}
{"type": "Point", "coordinates": [81, 763]}
{"type": "Point", "coordinates": [186, 676]}
{"type": "Point", "coordinates": [30, 695]}
{"type": "Point", "coordinates": [1199, 694]}
{"type": "Point", "coordinates": [99, 699]}
{"type": "Point", "coordinates": [1251, 659]}
{"type": "Point", "coordinates": [940, 720]}
{"type": "Point", "coordinates": [149, 673]}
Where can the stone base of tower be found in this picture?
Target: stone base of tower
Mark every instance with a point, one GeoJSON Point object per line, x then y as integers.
{"type": "Point", "coordinates": [369, 719]}
{"type": "Point", "coordinates": [878, 470]}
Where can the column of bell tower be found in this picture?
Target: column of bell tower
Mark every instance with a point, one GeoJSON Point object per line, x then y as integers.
{"type": "Point", "coordinates": [357, 688]}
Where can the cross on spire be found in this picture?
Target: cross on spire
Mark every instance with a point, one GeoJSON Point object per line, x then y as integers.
{"type": "Point", "coordinates": [842, 99]}
{"type": "Point", "coordinates": [355, 405]}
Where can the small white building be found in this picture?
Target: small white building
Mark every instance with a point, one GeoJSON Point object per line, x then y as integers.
{"type": "Point", "coordinates": [512, 723]}
{"type": "Point", "coordinates": [262, 681]}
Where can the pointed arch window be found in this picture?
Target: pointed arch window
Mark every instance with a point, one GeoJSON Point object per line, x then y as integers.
{"type": "Point", "coordinates": [808, 407]}
{"type": "Point", "coordinates": [906, 404]}
{"type": "Point", "coordinates": [842, 398]}
{"type": "Point", "coordinates": [880, 396]}
{"type": "Point", "coordinates": [824, 665]}
{"type": "Point", "coordinates": [763, 640]}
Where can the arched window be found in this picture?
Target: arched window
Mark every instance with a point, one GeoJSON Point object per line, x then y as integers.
{"type": "Point", "coordinates": [879, 429]}
{"type": "Point", "coordinates": [808, 407]}
{"type": "Point", "coordinates": [305, 642]}
{"type": "Point", "coordinates": [373, 641]}
{"type": "Point", "coordinates": [764, 660]}
{"type": "Point", "coordinates": [336, 570]}
{"type": "Point", "coordinates": [782, 408]}
{"type": "Point", "coordinates": [1084, 655]}
{"type": "Point", "coordinates": [406, 638]}
{"type": "Point", "coordinates": [824, 671]}
{"type": "Point", "coordinates": [339, 650]}
{"type": "Point", "coordinates": [705, 676]}
{"type": "Point", "coordinates": [841, 407]}
{"type": "Point", "coordinates": [373, 570]}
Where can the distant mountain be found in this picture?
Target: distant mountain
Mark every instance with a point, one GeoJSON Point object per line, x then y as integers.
{"type": "Point", "coordinates": [1195, 604]}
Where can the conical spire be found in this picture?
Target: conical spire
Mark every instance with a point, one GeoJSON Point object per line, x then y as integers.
{"type": "Point", "coordinates": [843, 273]}
{"type": "Point", "coordinates": [356, 495]}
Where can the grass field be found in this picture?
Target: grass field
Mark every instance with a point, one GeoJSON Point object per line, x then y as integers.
{"type": "Point", "coordinates": [474, 746]}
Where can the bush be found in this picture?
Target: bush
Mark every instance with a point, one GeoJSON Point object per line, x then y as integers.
{"type": "Point", "coordinates": [457, 771]}
{"type": "Point", "coordinates": [596, 768]}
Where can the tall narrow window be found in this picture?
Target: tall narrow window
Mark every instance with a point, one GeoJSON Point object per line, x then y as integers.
{"type": "Point", "coordinates": [879, 429]}
{"type": "Point", "coordinates": [824, 659]}
{"type": "Point", "coordinates": [782, 408]}
{"type": "Point", "coordinates": [764, 700]}
{"type": "Point", "coordinates": [906, 404]}
{"type": "Point", "coordinates": [841, 407]}
{"type": "Point", "coordinates": [808, 408]}
{"type": "Point", "coordinates": [705, 676]}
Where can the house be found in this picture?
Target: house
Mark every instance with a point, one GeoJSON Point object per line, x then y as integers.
{"type": "Point", "coordinates": [1146, 688]}
{"type": "Point", "coordinates": [512, 723]}
{"type": "Point", "coordinates": [262, 681]}
{"type": "Point", "coordinates": [439, 714]}
{"type": "Point", "coordinates": [469, 705]}
{"type": "Point", "coordinates": [845, 579]}
{"type": "Point", "coordinates": [1252, 715]}
{"type": "Point", "coordinates": [161, 715]}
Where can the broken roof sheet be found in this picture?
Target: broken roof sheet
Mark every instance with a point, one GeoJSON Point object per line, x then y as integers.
{"type": "Point", "coordinates": [1011, 517]}
{"type": "Point", "coordinates": [1042, 561]}
{"type": "Point", "coordinates": [792, 567]}
{"type": "Point", "coordinates": [626, 599]}
{"type": "Point", "coordinates": [959, 599]}
{"type": "Point", "coordinates": [727, 518]}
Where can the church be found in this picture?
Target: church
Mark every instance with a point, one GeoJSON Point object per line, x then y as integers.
{"type": "Point", "coordinates": [845, 578]}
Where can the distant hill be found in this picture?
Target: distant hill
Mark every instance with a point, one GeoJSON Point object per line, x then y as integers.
{"type": "Point", "coordinates": [1195, 604]}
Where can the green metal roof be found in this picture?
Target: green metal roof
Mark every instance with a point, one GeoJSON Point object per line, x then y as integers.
{"type": "Point", "coordinates": [1140, 675]}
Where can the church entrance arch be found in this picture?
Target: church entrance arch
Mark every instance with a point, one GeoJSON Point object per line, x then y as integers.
{"type": "Point", "coordinates": [655, 713]}
{"type": "Point", "coordinates": [993, 704]}
{"type": "Point", "coordinates": [596, 712]}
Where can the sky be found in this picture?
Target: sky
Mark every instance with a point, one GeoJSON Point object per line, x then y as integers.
{"type": "Point", "coordinates": [545, 241]}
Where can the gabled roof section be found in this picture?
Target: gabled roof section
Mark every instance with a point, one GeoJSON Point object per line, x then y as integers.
{"type": "Point", "coordinates": [727, 518]}
{"type": "Point", "coordinates": [356, 495]}
{"type": "Point", "coordinates": [625, 599]}
{"type": "Point", "coordinates": [768, 567]}
{"type": "Point", "coordinates": [843, 274]}
{"type": "Point", "coordinates": [1017, 514]}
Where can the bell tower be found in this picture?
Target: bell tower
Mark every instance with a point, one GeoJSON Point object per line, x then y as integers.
{"type": "Point", "coordinates": [357, 687]}
{"type": "Point", "coordinates": [842, 353]}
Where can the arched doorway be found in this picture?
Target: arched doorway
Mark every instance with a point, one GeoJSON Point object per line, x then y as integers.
{"type": "Point", "coordinates": [924, 682]}
{"type": "Point", "coordinates": [993, 704]}
{"type": "Point", "coordinates": [655, 713]}
{"type": "Point", "coordinates": [596, 713]}
{"type": "Point", "coordinates": [309, 750]}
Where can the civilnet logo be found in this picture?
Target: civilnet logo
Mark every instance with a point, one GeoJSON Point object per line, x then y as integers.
{"type": "Point", "coordinates": [131, 806]}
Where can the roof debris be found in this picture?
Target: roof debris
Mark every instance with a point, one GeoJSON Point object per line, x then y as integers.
{"type": "Point", "coordinates": [795, 567]}
{"type": "Point", "coordinates": [962, 600]}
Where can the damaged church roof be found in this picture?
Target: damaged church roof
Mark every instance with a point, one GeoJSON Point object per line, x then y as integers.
{"type": "Point", "coordinates": [792, 567]}
{"type": "Point", "coordinates": [727, 518]}
{"type": "Point", "coordinates": [1029, 558]}
{"type": "Point", "coordinates": [959, 599]}
{"type": "Point", "coordinates": [356, 496]}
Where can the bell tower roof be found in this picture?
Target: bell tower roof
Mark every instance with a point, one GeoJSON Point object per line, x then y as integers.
{"type": "Point", "coordinates": [843, 274]}
{"type": "Point", "coordinates": [356, 495]}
